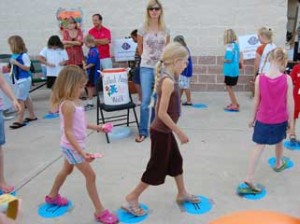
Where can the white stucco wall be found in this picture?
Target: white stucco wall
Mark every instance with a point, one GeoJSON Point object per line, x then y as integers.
{"type": "Point", "coordinates": [202, 22]}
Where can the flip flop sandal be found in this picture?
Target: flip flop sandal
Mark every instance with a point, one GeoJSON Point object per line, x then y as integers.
{"type": "Point", "coordinates": [282, 167]}
{"type": "Point", "coordinates": [28, 119]}
{"type": "Point", "coordinates": [293, 138]}
{"type": "Point", "coordinates": [187, 104]}
{"type": "Point", "coordinates": [134, 210]}
{"type": "Point", "coordinates": [189, 198]}
{"type": "Point", "coordinates": [250, 189]}
{"type": "Point", "coordinates": [106, 217]}
{"type": "Point", "coordinates": [17, 125]}
{"type": "Point", "coordinates": [140, 138]}
{"type": "Point", "coordinates": [6, 190]}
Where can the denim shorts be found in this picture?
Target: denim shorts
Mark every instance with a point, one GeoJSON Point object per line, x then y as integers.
{"type": "Point", "coordinates": [2, 134]}
{"type": "Point", "coordinates": [269, 134]}
{"type": "Point", "coordinates": [23, 89]}
{"type": "Point", "coordinates": [72, 156]}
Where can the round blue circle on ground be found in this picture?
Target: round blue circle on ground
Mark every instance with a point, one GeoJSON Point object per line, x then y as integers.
{"type": "Point", "coordinates": [51, 116]}
{"type": "Point", "coordinates": [119, 132]}
{"type": "Point", "coordinates": [126, 217]}
{"type": "Point", "coordinates": [258, 196]}
{"type": "Point", "coordinates": [13, 193]}
{"type": "Point", "coordinates": [272, 162]}
{"type": "Point", "coordinates": [204, 206]}
{"type": "Point", "coordinates": [52, 211]}
{"type": "Point", "coordinates": [291, 145]}
{"type": "Point", "coordinates": [199, 105]}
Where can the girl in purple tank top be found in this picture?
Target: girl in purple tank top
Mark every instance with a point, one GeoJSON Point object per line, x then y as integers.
{"type": "Point", "coordinates": [272, 115]}
{"type": "Point", "coordinates": [66, 96]}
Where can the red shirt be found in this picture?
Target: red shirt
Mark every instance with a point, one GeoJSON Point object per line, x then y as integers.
{"type": "Point", "coordinates": [295, 75]}
{"type": "Point", "coordinates": [102, 33]}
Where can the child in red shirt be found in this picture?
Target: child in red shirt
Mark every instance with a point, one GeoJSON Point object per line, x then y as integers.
{"type": "Point", "coordinates": [295, 75]}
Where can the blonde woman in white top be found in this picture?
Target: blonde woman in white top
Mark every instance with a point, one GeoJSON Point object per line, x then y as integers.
{"type": "Point", "coordinates": [153, 36]}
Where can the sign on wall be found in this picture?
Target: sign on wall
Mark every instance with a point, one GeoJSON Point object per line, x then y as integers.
{"type": "Point", "coordinates": [124, 49]}
{"type": "Point", "coordinates": [62, 16]}
{"type": "Point", "coordinates": [248, 45]}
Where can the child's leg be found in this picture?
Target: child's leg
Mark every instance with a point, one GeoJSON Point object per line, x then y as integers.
{"type": "Point", "coordinates": [255, 155]}
{"type": "Point", "coordinates": [188, 95]}
{"type": "Point", "coordinates": [133, 197]}
{"type": "Point", "coordinates": [231, 95]}
{"type": "Point", "coordinates": [29, 105]}
{"type": "Point", "coordinates": [181, 92]}
{"type": "Point", "coordinates": [182, 194]}
{"type": "Point", "coordinates": [91, 91]}
{"type": "Point", "coordinates": [3, 185]}
{"type": "Point", "coordinates": [60, 179]}
{"type": "Point", "coordinates": [90, 178]}
{"type": "Point", "coordinates": [20, 118]}
{"type": "Point", "coordinates": [139, 91]}
{"type": "Point", "coordinates": [278, 154]}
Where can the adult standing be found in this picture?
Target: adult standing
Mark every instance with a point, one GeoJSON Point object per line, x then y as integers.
{"type": "Point", "coordinates": [73, 40]}
{"type": "Point", "coordinates": [102, 39]}
{"type": "Point", "coordinates": [153, 36]}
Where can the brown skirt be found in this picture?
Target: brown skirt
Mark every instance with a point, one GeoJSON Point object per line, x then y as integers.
{"type": "Point", "coordinates": [165, 158]}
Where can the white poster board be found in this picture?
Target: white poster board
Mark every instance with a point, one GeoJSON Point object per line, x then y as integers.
{"type": "Point", "coordinates": [124, 49]}
{"type": "Point", "coordinates": [115, 86]}
{"type": "Point", "coordinates": [248, 45]}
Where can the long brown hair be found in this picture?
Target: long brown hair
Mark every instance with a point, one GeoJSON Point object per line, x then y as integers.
{"type": "Point", "coordinates": [17, 44]}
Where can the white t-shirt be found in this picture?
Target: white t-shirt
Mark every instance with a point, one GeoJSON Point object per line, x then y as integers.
{"type": "Point", "coordinates": [54, 56]}
{"type": "Point", "coordinates": [264, 64]}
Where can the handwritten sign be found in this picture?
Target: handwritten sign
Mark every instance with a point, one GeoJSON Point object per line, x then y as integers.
{"type": "Point", "coordinates": [248, 45]}
{"type": "Point", "coordinates": [124, 49]}
{"type": "Point", "coordinates": [115, 86]}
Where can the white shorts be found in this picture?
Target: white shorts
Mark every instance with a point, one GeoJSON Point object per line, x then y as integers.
{"type": "Point", "coordinates": [184, 82]}
{"type": "Point", "coordinates": [24, 86]}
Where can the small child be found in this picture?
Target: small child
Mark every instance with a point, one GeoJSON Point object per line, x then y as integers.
{"type": "Point", "coordinates": [66, 96]}
{"type": "Point", "coordinates": [165, 155]}
{"type": "Point", "coordinates": [261, 64]}
{"type": "Point", "coordinates": [54, 56]}
{"type": "Point", "coordinates": [185, 76]}
{"type": "Point", "coordinates": [20, 66]}
{"type": "Point", "coordinates": [4, 187]}
{"type": "Point", "coordinates": [295, 75]}
{"type": "Point", "coordinates": [272, 113]}
{"type": "Point", "coordinates": [92, 67]}
{"type": "Point", "coordinates": [231, 67]}
{"type": "Point", "coordinates": [136, 73]}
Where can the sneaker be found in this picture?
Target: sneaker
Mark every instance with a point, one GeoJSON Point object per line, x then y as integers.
{"type": "Point", "coordinates": [89, 107]}
{"type": "Point", "coordinates": [58, 200]}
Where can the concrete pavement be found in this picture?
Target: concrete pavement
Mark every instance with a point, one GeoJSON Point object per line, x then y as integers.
{"type": "Point", "coordinates": [215, 162]}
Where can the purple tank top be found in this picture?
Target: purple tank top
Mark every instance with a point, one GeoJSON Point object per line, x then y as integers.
{"type": "Point", "coordinates": [272, 108]}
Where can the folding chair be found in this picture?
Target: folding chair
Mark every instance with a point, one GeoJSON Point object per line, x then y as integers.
{"type": "Point", "coordinates": [118, 118]}
{"type": "Point", "coordinates": [37, 75]}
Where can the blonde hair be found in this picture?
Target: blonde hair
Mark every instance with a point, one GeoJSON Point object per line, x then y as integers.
{"type": "Point", "coordinates": [229, 36]}
{"type": "Point", "coordinates": [172, 52]}
{"type": "Point", "coordinates": [17, 44]}
{"type": "Point", "coordinates": [267, 33]}
{"type": "Point", "coordinates": [66, 85]}
{"type": "Point", "coordinates": [89, 39]}
{"type": "Point", "coordinates": [161, 22]}
{"type": "Point", "coordinates": [279, 56]}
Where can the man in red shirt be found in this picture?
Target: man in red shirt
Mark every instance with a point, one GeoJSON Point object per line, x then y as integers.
{"type": "Point", "coordinates": [102, 40]}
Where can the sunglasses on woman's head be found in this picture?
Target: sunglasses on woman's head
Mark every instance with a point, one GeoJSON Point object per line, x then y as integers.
{"type": "Point", "coordinates": [154, 9]}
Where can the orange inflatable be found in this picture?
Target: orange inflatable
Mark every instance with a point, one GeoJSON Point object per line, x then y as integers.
{"type": "Point", "coordinates": [256, 217]}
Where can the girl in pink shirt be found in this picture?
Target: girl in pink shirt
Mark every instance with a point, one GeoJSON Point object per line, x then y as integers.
{"type": "Point", "coordinates": [272, 114]}
{"type": "Point", "coordinates": [66, 96]}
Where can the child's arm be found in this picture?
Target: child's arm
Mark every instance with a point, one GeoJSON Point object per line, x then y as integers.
{"type": "Point", "coordinates": [256, 64]}
{"type": "Point", "coordinates": [7, 90]}
{"type": "Point", "coordinates": [90, 65]}
{"type": "Point", "coordinates": [95, 127]}
{"type": "Point", "coordinates": [167, 89]}
{"type": "Point", "coordinates": [67, 111]}
{"type": "Point", "coordinates": [290, 104]}
{"type": "Point", "coordinates": [44, 61]}
{"type": "Point", "coordinates": [140, 44]}
{"type": "Point", "coordinates": [23, 67]}
{"type": "Point", "coordinates": [255, 101]}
